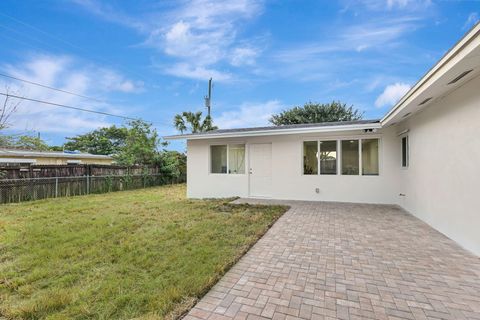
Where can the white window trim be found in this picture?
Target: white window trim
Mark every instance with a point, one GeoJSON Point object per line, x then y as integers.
{"type": "Point", "coordinates": [336, 159]}
{"type": "Point", "coordinates": [379, 158]}
{"type": "Point", "coordinates": [228, 158]}
{"type": "Point", "coordinates": [303, 160]}
{"type": "Point", "coordinates": [339, 159]}
{"type": "Point", "coordinates": [359, 157]}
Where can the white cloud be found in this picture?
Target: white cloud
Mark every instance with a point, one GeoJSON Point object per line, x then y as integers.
{"type": "Point", "coordinates": [379, 33]}
{"type": "Point", "coordinates": [471, 20]}
{"type": "Point", "coordinates": [389, 5]}
{"type": "Point", "coordinates": [392, 94]}
{"type": "Point", "coordinates": [243, 56]}
{"type": "Point", "coordinates": [248, 115]}
{"type": "Point", "coordinates": [65, 73]}
{"type": "Point", "coordinates": [110, 80]}
{"type": "Point", "coordinates": [198, 34]}
{"type": "Point", "coordinates": [185, 70]}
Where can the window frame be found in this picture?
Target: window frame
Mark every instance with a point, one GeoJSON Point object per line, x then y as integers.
{"type": "Point", "coordinates": [361, 157]}
{"type": "Point", "coordinates": [359, 151]}
{"type": "Point", "coordinates": [303, 160]}
{"type": "Point", "coordinates": [228, 158]}
{"type": "Point", "coordinates": [339, 159]}
{"type": "Point", "coordinates": [407, 151]}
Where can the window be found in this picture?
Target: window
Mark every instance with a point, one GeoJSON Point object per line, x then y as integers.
{"type": "Point", "coordinates": [370, 157]}
{"type": "Point", "coordinates": [310, 157]}
{"type": "Point", "coordinates": [328, 157]}
{"type": "Point", "coordinates": [357, 154]}
{"type": "Point", "coordinates": [236, 158]}
{"type": "Point", "coordinates": [350, 157]}
{"type": "Point", "coordinates": [227, 159]}
{"type": "Point", "coordinates": [405, 152]}
{"type": "Point", "coordinates": [219, 159]}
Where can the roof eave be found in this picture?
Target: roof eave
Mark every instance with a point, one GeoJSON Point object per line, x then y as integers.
{"type": "Point", "coordinates": [426, 80]}
{"type": "Point", "coordinates": [256, 133]}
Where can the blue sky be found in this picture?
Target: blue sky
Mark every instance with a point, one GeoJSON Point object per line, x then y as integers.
{"type": "Point", "coordinates": [152, 59]}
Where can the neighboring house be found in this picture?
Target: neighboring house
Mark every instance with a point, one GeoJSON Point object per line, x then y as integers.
{"type": "Point", "coordinates": [16, 157]}
{"type": "Point", "coordinates": [423, 155]}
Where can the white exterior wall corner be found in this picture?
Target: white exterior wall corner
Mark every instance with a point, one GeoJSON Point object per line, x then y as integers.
{"type": "Point", "coordinates": [442, 183]}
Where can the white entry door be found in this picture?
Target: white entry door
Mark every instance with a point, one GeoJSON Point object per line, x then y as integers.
{"type": "Point", "coordinates": [260, 170]}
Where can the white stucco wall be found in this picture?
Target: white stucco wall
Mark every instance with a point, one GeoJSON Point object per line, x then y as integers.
{"type": "Point", "coordinates": [442, 183]}
{"type": "Point", "coordinates": [288, 182]}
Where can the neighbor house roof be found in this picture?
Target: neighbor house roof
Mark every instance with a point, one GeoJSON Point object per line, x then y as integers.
{"type": "Point", "coordinates": [285, 129]}
{"type": "Point", "coordinates": [49, 154]}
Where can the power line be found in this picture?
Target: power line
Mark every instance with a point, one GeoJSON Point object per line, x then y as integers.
{"type": "Point", "coordinates": [68, 107]}
{"type": "Point", "coordinates": [51, 88]}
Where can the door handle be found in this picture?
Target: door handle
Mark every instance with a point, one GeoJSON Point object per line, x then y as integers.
{"type": "Point", "coordinates": [250, 171]}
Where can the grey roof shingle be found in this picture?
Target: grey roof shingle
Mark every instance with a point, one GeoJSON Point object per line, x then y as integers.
{"type": "Point", "coordinates": [273, 128]}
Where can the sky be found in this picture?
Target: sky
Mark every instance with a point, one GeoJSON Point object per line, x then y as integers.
{"type": "Point", "coordinates": [152, 59]}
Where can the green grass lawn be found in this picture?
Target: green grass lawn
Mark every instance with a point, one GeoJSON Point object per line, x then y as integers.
{"type": "Point", "coordinates": [143, 254]}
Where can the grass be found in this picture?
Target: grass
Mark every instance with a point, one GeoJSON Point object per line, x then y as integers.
{"type": "Point", "coordinates": [145, 254]}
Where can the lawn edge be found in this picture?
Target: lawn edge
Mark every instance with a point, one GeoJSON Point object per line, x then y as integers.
{"type": "Point", "coordinates": [190, 302]}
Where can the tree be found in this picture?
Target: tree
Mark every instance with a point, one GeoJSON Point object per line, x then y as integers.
{"type": "Point", "coordinates": [23, 142]}
{"type": "Point", "coordinates": [315, 113]}
{"type": "Point", "coordinates": [32, 143]}
{"type": "Point", "coordinates": [106, 141]}
{"type": "Point", "coordinates": [193, 122]}
{"type": "Point", "coordinates": [8, 107]}
{"type": "Point", "coordinates": [135, 143]}
{"type": "Point", "coordinates": [140, 146]}
{"type": "Point", "coordinates": [173, 165]}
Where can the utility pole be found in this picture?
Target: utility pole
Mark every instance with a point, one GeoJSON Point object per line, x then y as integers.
{"type": "Point", "coordinates": [208, 98]}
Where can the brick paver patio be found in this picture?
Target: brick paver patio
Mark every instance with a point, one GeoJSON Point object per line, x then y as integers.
{"type": "Point", "coordinates": [348, 261]}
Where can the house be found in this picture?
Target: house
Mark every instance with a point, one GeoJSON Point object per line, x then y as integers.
{"type": "Point", "coordinates": [423, 155]}
{"type": "Point", "coordinates": [17, 157]}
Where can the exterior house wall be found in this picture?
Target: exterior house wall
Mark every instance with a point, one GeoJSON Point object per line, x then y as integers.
{"type": "Point", "coordinates": [440, 185]}
{"type": "Point", "coordinates": [442, 182]}
{"type": "Point", "coordinates": [288, 181]}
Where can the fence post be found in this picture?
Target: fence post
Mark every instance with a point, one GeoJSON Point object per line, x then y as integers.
{"type": "Point", "coordinates": [88, 184]}
{"type": "Point", "coordinates": [56, 187]}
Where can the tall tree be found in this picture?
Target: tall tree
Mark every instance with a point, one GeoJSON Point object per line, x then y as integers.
{"type": "Point", "coordinates": [193, 122]}
{"type": "Point", "coordinates": [107, 141]}
{"type": "Point", "coordinates": [141, 144]}
{"type": "Point", "coordinates": [135, 143]}
{"type": "Point", "coordinates": [316, 112]}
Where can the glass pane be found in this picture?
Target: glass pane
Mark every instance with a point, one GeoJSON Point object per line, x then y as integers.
{"type": "Point", "coordinates": [350, 157]}
{"type": "Point", "coordinates": [405, 152]}
{"type": "Point", "coordinates": [328, 157]}
{"type": "Point", "coordinates": [310, 157]}
{"type": "Point", "coordinates": [236, 158]}
{"type": "Point", "coordinates": [370, 157]}
{"type": "Point", "coordinates": [219, 159]}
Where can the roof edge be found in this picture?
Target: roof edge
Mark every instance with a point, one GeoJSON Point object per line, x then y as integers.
{"type": "Point", "coordinates": [467, 38]}
{"type": "Point", "coordinates": [319, 129]}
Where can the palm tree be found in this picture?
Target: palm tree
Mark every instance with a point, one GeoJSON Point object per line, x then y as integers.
{"type": "Point", "coordinates": [193, 120]}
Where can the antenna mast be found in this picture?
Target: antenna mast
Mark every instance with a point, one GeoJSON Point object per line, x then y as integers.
{"type": "Point", "coordinates": [208, 98]}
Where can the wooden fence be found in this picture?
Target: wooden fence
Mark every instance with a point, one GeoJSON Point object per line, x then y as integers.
{"type": "Point", "coordinates": [47, 171]}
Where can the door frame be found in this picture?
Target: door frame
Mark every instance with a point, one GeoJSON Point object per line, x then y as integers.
{"type": "Point", "coordinates": [249, 145]}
